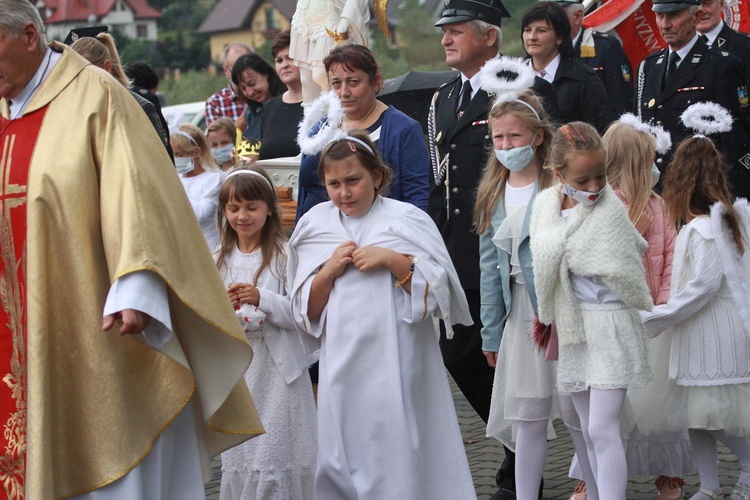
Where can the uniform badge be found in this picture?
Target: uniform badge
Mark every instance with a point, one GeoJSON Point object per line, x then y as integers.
{"type": "Point", "coordinates": [625, 72]}
{"type": "Point", "coordinates": [439, 136]}
{"type": "Point", "coordinates": [742, 96]}
{"type": "Point", "coordinates": [651, 103]}
{"type": "Point", "coordinates": [745, 161]}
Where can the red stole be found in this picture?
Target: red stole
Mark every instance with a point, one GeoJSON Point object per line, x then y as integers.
{"type": "Point", "coordinates": [17, 140]}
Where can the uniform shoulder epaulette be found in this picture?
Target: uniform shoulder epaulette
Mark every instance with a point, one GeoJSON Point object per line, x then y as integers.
{"type": "Point", "coordinates": [449, 82]}
{"type": "Point", "coordinates": [744, 35]}
{"type": "Point", "coordinates": [653, 54]}
{"type": "Point", "coordinates": [601, 34]}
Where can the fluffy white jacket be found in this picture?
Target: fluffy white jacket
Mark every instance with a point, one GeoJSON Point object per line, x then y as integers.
{"type": "Point", "coordinates": [597, 240]}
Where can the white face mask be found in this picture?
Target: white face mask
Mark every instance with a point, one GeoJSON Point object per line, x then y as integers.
{"type": "Point", "coordinates": [223, 154]}
{"type": "Point", "coordinates": [184, 165]}
{"type": "Point", "coordinates": [583, 197]}
{"type": "Point", "coordinates": [655, 174]}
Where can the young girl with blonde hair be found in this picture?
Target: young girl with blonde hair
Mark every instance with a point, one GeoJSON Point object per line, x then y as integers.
{"type": "Point", "coordinates": [200, 176]}
{"type": "Point", "coordinates": [590, 282]}
{"type": "Point", "coordinates": [632, 173]}
{"type": "Point", "coordinates": [524, 396]}
{"type": "Point", "coordinates": [279, 465]}
{"type": "Point", "coordinates": [707, 309]}
{"type": "Point", "coordinates": [221, 136]}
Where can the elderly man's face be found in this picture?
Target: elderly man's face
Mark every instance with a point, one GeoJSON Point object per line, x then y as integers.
{"type": "Point", "coordinates": [678, 27]}
{"type": "Point", "coordinates": [17, 61]}
{"type": "Point", "coordinates": [710, 14]}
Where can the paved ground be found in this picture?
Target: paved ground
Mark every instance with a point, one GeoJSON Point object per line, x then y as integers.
{"type": "Point", "coordinates": [485, 456]}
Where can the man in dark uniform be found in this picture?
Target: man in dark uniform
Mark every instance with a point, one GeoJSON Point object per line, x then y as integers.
{"type": "Point", "coordinates": [687, 72]}
{"type": "Point", "coordinates": [716, 33]}
{"type": "Point", "coordinates": [603, 54]}
{"type": "Point", "coordinates": [460, 141]}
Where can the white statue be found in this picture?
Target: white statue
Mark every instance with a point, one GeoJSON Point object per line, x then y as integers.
{"type": "Point", "coordinates": [318, 26]}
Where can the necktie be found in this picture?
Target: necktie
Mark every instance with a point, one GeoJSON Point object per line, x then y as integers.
{"type": "Point", "coordinates": [674, 57]}
{"type": "Point", "coordinates": [465, 97]}
{"type": "Point", "coordinates": [705, 39]}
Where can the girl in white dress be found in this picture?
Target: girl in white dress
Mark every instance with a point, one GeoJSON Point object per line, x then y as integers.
{"type": "Point", "coordinates": [367, 273]}
{"type": "Point", "coordinates": [524, 395]}
{"type": "Point", "coordinates": [200, 175]}
{"type": "Point", "coordinates": [279, 465]}
{"type": "Point", "coordinates": [708, 309]}
{"type": "Point", "coordinates": [590, 281]}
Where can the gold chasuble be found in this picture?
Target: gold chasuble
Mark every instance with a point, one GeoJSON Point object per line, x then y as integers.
{"type": "Point", "coordinates": [88, 195]}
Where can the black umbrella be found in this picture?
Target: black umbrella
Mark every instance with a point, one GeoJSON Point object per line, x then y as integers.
{"type": "Point", "coordinates": [412, 92]}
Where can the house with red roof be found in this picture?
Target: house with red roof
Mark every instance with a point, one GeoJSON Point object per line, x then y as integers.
{"type": "Point", "coordinates": [249, 21]}
{"type": "Point", "coordinates": [134, 18]}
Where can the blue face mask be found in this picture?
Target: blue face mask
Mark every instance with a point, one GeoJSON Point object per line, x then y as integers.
{"type": "Point", "coordinates": [223, 154]}
{"type": "Point", "coordinates": [515, 159]}
{"type": "Point", "coordinates": [655, 174]}
{"type": "Point", "coordinates": [184, 165]}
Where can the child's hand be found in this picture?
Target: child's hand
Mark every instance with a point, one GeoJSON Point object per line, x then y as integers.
{"type": "Point", "coordinates": [340, 258]}
{"type": "Point", "coordinates": [369, 258]}
{"type": "Point", "coordinates": [243, 293]}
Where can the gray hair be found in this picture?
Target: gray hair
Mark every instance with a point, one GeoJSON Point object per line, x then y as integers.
{"type": "Point", "coordinates": [233, 45]}
{"type": "Point", "coordinates": [481, 27]}
{"type": "Point", "coordinates": [692, 9]}
{"type": "Point", "coordinates": [573, 7]}
{"type": "Point", "coordinates": [16, 14]}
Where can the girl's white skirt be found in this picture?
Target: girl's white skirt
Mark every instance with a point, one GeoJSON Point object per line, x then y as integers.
{"type": "Point", "coordinates": [279, 464]}
{"type": "Point", "coordinates": [614, 356]}
{"type": "Point", "coordinates": [525, 383]}
{"type": "Point", "coordinates": [650, 448]}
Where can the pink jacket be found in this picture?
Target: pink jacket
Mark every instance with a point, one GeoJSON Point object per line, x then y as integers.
{"type": "Point", "coordinates": [658, 257]}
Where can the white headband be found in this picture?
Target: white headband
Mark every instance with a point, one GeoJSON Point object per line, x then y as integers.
{"type": "Point", "coordinates": [184, 134]}
{"type": "Point", "coordinates": [528, 106]}
{"type": "Point", "coordinates": [250, 172]}
{"type": "Point", "coordinates": [358, 141]}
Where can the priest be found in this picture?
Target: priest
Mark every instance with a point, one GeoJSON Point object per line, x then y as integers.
{"type": "Point", "coordinates": [97, 234]}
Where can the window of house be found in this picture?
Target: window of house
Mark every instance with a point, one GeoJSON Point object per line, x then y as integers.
{"type": "Point", "coordinates": [270, 18]}
{"type": "Point", "coordinates": [142, 30]}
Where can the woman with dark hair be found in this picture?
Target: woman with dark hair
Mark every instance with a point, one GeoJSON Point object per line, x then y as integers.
{"type": "Point", "coordinates": [258, 83]}
{"type": "Point", "coordinates": [282, 115]}
{"type": "Point", "coordinates": [545, 31]}
{"type": "Point", "coordinates": [354, 75]}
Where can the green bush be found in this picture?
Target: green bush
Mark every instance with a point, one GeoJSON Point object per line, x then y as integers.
{"type": "Point", "coordinates": [192, 86]}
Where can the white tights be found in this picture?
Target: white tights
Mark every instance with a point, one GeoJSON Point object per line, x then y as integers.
{"type": "Point", "coordinates": [531, 454]}
{"type": "Point", "coordinates": [599, 411]}
{"type": "Point", "coordinates": [703, 443]}
{"type": "Point", "coordinates": [573, 424]}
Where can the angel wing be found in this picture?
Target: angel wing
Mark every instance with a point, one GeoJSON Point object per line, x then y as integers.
{"type": "Point", "coordinates": [380, 7]}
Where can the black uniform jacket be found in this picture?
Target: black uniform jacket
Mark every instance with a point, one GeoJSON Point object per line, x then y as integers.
{"type": "Point", "coordinates": [614, 70]}
{"type": "Point", "coordinates": [581, 95]}
{"type": "Point", "coordinates": [706, 74]}
{"type": "Point", "coordinates": [469, 142]}
{"type": "Point", "coordinates": [736, 43]}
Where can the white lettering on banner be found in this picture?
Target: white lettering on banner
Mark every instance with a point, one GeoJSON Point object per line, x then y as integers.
{"type": "Point", "coordinates": [645, 31]}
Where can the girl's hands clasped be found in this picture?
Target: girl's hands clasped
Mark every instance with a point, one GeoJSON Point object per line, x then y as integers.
{"type": "Point", "coordinates": [243, 293]}
{"type": "Point", "coordinates": [340, 258]}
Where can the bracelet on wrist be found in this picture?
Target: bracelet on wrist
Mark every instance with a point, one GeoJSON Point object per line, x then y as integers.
{"type": "Point", "coordinates": [402, 282]}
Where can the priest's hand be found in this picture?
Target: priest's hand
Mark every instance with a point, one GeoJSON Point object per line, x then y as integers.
{"type": "Point", "coordinates": [131, 321]}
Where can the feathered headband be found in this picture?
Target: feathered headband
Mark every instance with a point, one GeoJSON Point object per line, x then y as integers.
{"type": "Point", "coordinates": [663, 139]}
{"type": "Point", "coordinates": [326, 106]}
{"type": "Point", "coordinates": [506, 77]}
{"type": "Point", "coordinates": [707, 118]}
